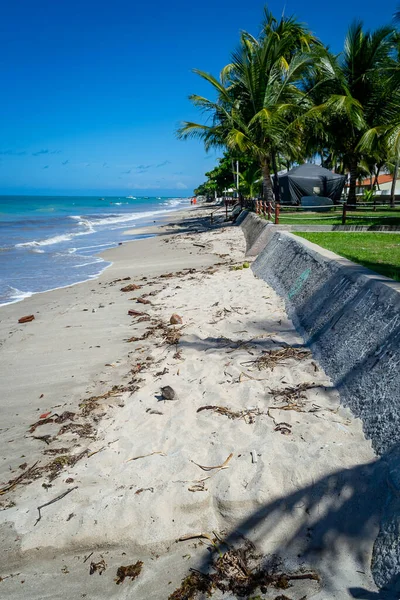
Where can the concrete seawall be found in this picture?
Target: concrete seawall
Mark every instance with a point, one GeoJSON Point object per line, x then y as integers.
{"type": "Point", "coordinates": [348, 314]}
{"type": "Point", "coordinates": [256, 231]}
{"type": "Point", "coordinates": [350, 317]}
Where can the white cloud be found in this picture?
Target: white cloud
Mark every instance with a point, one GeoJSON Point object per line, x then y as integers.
{"type": "Point", "coordinates": [181, 186]}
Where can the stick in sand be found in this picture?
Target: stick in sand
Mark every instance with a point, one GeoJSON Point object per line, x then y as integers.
{"type": "Point", "coordinates": [54, 500]}
{"type": "Point", "coordinates": [144, 456]}
{"type": "Point", "coordinates": [223, 466]}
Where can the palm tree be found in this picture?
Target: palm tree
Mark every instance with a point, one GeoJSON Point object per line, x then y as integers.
{"type": "Point", "coordinates": [250, 181]}
{"type": "Point", "coordinates": [257, 94]}
{"type": "Point", "coordinates": [356, 91]}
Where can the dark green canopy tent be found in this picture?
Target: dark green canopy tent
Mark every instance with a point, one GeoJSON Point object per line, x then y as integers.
{"type": "Point", "coordinates": [310, 180]}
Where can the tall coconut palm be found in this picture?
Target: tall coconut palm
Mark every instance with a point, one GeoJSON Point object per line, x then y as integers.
{"type": "Point", "coordinates": [257, 94]}
{"type": "Point", "coordinates": [354, 94]}
{"type": "Point", "coordinates": [383, 138]}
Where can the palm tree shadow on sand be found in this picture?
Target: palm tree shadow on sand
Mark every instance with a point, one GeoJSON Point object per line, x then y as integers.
{"type": "Point", "coordinates": [338, 518]}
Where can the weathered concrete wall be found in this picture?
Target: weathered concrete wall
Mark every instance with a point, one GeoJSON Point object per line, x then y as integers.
{"type": "Point", "coordinates": [256, 231]}
{"type": "Point", "coordinates": [351, 318]}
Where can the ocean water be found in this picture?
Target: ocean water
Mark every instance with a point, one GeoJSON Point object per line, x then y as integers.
{"type": "Point", "coordinates": [48, 242]}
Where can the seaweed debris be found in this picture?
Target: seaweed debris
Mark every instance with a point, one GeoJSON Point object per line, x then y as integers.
{"type": "Point", "coordinates": [54, 468]}
{"type": "Point", "coordinates": [98, 567]}
{"type": "Point", "coordinates": [131, 287]}
{"type": "Point", "coordinates": [141, 338]}
{"type": "Point", "coordinates": [65, 416]}
{"type": "Point", "coordinates": [193, 584]}
{"type": "Point", "coordinates": [81, 429]}
{"type": "Point", "coordinates": [90, 404]}
{"type": "Point", "coordinates": [131, 571]}
{"type": "Point", "coordinates": [53, 451]}
{"type": "Point", "coordinates": [240, 571]}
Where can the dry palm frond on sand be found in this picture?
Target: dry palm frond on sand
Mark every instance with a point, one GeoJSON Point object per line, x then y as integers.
{"type": "Point", "coordinates": [248, 414]}
{"type": "Point", "coordinates": [271, 358]}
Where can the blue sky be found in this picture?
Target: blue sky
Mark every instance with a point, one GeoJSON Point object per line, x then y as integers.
{"type": "Point", "coordinates": [92, 91]}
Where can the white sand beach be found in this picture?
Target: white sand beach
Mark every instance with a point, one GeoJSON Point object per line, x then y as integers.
{"type": "Point", "coordinates": [254, 446]}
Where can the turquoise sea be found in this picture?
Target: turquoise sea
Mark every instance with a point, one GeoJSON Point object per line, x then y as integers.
{"type": "Point", "coordinates": [47, 242]}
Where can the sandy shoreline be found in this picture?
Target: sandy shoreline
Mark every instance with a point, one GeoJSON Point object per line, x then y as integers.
{"type": "Point", "coordinates": [249, 447]}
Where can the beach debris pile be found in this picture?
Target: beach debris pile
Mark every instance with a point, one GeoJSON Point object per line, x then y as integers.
{"type": "Point", "coordinates": [242, 572]}
{"type": "Point", "coordinates": [271, 358]}
{"type": "Point", "coordinates": [293, 396]}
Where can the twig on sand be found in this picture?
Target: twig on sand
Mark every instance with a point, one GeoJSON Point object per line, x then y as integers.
{"type": "Point", "coordinates": [87, 558]}
{"type": "Point", "coordinates": [193, 536]}
{"type": "Point", "coordinates": [144, 456]}
{"type": "Point", "coordinates": [52, 502]}
{"type": "Point", "coordinates": [223, 466]}
{"type": "Point", "coordinates": [247, 414]}
{"type": "Point", "coordinates": [96, 452]}
{"type": "Point", "coordinates": [243, 374]}
{"type": "Point", "coordinates": [17, 480]}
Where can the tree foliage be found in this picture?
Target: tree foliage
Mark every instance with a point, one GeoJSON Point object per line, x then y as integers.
{"type": "Point", "coordinates": [284, 99]}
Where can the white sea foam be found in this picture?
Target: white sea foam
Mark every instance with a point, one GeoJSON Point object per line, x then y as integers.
{"type": "Point", "coordinates": [124, 218]}
{"type": "Point", "coordinates": [108, 219]}
{"type": "Point", "coordinates": [95, 246]}
{"type": "Point", "coordinates": [17, 295]}
{"type": "Point", "coordinates": [173, 202]}
{"type": "Point", "coordinates": [56, 239]}
{"type": "Point", "coordinates": [23, 295]}
{"type": "Point", "coordinates": [93, 262]}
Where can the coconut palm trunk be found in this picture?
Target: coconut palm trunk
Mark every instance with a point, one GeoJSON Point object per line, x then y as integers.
{"type": "Point", "coordinates": [276, 181]}
{"type": "Point", "coordinates": [268, 190]}
{"type": "Point", "coordinates": [393, 186]}
{"type": "Point", "coordinates": [353, 182]}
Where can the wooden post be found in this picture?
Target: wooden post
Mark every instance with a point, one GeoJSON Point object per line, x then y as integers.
{"type": "Point", "coordinates": [277, 208]}
{"type": "Point", "coordinates": [226, 209]}
{"type": "Point", "coordinates": [344, 215]}
{"type": "Point", "coordinates": [269, 211]}
{"type": "Point", "coordinates": [257, 207]}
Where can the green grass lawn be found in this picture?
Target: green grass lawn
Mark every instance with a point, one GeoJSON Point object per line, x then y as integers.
{"type": "Point", "coordinates": [377, 251]}
{"type": "Point", "coordinates": [380, 217]}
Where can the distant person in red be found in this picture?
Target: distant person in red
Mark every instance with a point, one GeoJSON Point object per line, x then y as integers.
{"type": "Point", "coordinates": [194, 200]}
